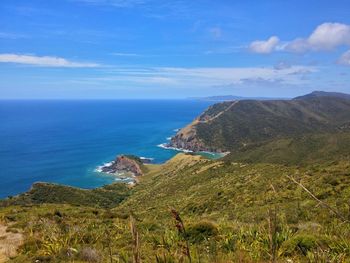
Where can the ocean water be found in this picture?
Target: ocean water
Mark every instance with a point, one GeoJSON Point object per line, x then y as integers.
{"type": "Point", "coordinates": [64, 141]}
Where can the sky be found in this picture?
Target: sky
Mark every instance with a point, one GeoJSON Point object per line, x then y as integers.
{"type": "Point", "coordinates": [158, 49]}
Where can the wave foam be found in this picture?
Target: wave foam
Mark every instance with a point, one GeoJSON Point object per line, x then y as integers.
{"type": "Point", "coordinates": [165, 146]}
{"type": "Point", "coordinates": [146, 158]}
{"type": "Point", "coordinates": [100, 167]}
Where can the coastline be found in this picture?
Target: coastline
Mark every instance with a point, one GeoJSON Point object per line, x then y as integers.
{"type": "Point", "coordinates": [130, 178]}
{"type": "Point", "coordinates": [215, 155]}
{"type": "Point", "coordinates": [79, 145]}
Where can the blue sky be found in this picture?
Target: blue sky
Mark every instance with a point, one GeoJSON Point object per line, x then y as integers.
{"type": "Point", "coordinates": [110, 49]}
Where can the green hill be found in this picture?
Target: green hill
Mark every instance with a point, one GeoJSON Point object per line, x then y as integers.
{"type": "Point", "coordinates": [106, 197]}
{"type": "Point", "coordinates": [230, 212]}
{"type": "Point", "coordinates": [297, 150]}
{"type": "Point", "coordinates": [281, 195]}
{"type": "Point", "coordinates": [230, 126]}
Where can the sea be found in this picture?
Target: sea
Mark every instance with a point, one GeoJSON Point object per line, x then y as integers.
{"type": "Point", "coordinates": [65, 142]}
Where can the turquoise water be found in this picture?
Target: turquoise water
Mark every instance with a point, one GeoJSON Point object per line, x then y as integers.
{"type": "Point", "coordinates": [64, 141]}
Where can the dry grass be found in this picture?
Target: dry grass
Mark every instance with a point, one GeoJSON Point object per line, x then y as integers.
{"type": "Point", "coordinates": [9, 243]}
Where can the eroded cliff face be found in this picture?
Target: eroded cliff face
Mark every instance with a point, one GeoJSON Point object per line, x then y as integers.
{"type": "Point", "coordinates": [124, 164]}
{"type": "Point", "coordinates": [187, 139]}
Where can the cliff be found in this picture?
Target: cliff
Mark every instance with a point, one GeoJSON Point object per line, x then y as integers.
{"type": "Point", "coordinates": [187, 137]}
{"type": "Point", "coordinates": [125, 164]}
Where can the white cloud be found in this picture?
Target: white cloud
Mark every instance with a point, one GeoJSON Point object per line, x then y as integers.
{"type": "Point", "coordinates": [203, 77]}
{"type": "Point", "coordinates": [264, 47]}
{"type": "Point", "coordinates": [4, 35]}
{"type": "Point", "coordinates": [325, 37]}
{"type": "Point", "coordinates": [43, 61]}
{"type": "Point", "coordinates": [298, 45]}
{"type": "Point", "coordinates": [345, 59]}
{"type": "Point", "coordinates": [282, 65]}
{"type": "Point", "coordinates": [330, 35]}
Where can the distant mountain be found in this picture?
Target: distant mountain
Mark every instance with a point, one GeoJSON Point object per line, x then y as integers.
{"type": "Point", "coordinates": [315, 94]}
{"type": "Point", "coordinates": [236, 126]}
{"type": "Point", "coordinates": [230, 98]}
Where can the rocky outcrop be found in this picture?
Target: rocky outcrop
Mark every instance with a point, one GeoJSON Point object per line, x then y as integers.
{"type": "Point", "coordinates": [187, 139]}
{"type": "Point", "coordinates": [124, 164]}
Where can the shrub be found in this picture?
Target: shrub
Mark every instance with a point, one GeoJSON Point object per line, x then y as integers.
{"type": "Point", "coordinates": [299, 244]}
{"type": "Point", "coordinates": [58, 213]}
{"type": "Point", "coordinates": [90, 255]}
{"type": "Point", "coordinates": [200, 231]}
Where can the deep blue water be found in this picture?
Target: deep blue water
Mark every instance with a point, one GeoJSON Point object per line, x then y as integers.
{"type": "Point", "coordinates": [64, 141]}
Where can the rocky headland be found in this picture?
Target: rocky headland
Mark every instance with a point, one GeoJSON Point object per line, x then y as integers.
{"type": "Point", "coordinates": [125, 164]}
{"type": "Point", "coordinates": [187, 138]}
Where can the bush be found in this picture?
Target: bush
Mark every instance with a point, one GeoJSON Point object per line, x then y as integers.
{"type": "Point", "coordinates": [90, 255]}
{"type": "Point", "coordinates": [200, 231]}
{"type": "Point", "coordinates": [299, 244]}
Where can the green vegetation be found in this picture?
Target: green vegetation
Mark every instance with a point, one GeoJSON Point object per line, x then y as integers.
{"type": "Point", "coordinates": [106, 197]}
{"type": "Point", "coordinates": [250, 122]}
{"type": "Point", "coordinates": [299, 150]}
{"type": "Point", "coordinates": [282, 195]}
{"type": "Point", "coordinates": [231, 212]}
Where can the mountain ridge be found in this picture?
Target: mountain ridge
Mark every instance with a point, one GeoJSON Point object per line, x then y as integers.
{"type": "Point", "coordinates": [228, 126]}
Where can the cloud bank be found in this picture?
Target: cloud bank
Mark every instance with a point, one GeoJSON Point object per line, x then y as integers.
{"type": "Point", "coordinates": [203, 77]}
{"type": "Point", "coordinates": [43, 61]}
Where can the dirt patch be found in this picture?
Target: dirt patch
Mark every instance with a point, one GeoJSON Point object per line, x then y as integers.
{"type": "Point", "coordinates": [9, 243]}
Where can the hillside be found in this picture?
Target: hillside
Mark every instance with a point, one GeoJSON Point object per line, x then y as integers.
{"type": "Point", "coordinates": [281, 195]}
{"type": "Point", "coordinates": [297, 150]}
{"type": "Point", "coordinates": [227, 209]}
{"type": "Point", "coordinates": [106, 197]}
{"type": "Point", "coordinates": [229, 126]}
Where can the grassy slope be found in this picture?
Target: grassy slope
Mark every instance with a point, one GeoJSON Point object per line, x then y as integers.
{"type": "Point", "coordinates": [107, 196]}
{"type": "Point", "coordinates": [299, 150]}
{"type": "Point", "coordinates": [237, 197]}
{"type": "Point", "coordinates": [232, 198]}
{"type": "Point", "coordinates": [223, 190]}
{"type": "Point", "coordinates": [260, 121]}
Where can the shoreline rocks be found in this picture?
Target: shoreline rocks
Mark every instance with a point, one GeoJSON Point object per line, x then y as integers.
{"type": "Point", "coordinates": [124, 164]}
{"type": "Point", "coordinates": [186, 138]}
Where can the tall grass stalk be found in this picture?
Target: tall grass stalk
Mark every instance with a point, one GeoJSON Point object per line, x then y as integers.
{"type": "Point", "coordinates": [135, 241]}
{"type": "Point", "coordinates": [179, 224]}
